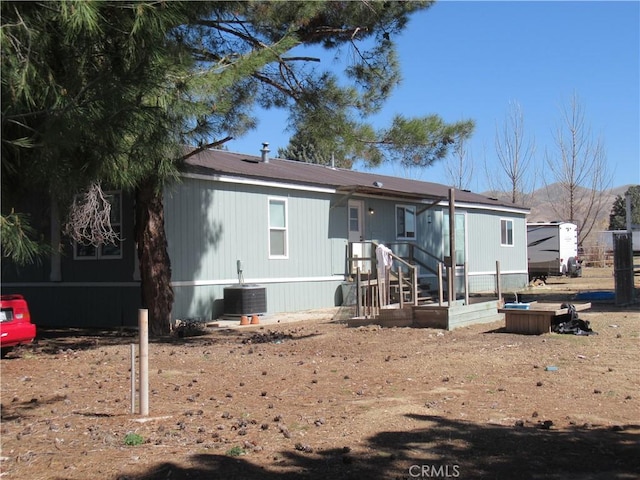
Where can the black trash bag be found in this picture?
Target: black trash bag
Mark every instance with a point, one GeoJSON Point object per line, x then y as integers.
{"type": "Point", "coordinates": [570, 322]}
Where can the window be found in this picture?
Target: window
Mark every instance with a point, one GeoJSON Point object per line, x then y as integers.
{"type": "Point", "coordinates": [354, 219]}
{"type": "Point", "coordinates": [405, 221]}
{"type": "Point", "coordinates": [109, 250]}
{"type": "Point", "coordinates": [506, 233]}
{"type": "Point", "coordinates": [278, 245]}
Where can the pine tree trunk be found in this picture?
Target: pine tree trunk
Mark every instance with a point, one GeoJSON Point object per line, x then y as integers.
{"type": "Point", "coordinates": [155, 265]}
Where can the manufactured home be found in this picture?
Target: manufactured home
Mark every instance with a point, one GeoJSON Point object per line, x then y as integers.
{"type": "Point", "coordinates": [289, 235]}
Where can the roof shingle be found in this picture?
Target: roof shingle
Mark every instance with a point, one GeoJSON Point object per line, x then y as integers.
{"type": "Point", "coordinates": [221, 162]}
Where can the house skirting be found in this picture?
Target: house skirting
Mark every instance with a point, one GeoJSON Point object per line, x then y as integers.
{"type": "Point", "coordinates": [80, 305]}
{"type": "Point", "coordinates": [116, 304]}
{"type": "Point", "coordinates": [205, 300]}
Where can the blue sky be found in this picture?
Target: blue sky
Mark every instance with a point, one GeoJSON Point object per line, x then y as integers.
{"type": "Point", "coordinates": [471, 59]}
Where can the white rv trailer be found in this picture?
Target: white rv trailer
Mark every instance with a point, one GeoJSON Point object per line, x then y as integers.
{"type": "Point", "coordinates": [552, 248]}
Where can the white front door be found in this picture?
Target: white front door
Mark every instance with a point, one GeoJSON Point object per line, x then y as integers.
{"type": "Point", "coordinates": [356, 220]}
{"type": "Point", "coordinates": [356, 230]}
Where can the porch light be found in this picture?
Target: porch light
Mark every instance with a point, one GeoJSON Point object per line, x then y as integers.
{"type": "Point", "coordinates": [371, 211]}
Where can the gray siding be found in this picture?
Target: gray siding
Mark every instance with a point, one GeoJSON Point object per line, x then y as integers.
{"type": "Point", "coordinates": [483, 240]}
{"type": "Point", "coordinates": [211, 225]}
{"type": "Point", "coordinates": [81, 305]}
{"type": "Point", "coordinates": [484, 250]}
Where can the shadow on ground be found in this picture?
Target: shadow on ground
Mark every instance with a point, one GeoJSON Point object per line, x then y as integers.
{"type": "Point", "coordinates": [442, 448]}
{"type": "Point", "coordinates": [56, 341]}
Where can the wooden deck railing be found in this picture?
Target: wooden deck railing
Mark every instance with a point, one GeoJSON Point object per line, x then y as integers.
{"type": "Point", "coordinates": [373, 291]}
{"type": "Point", "coordinates": [416, 255]}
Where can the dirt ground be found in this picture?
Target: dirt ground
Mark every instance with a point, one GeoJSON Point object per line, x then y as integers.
{"type": "Point", "coordinates": [319, 400]}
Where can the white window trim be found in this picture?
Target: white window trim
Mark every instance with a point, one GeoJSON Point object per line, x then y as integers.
{"type": "Point", "coordinates": [285, 229]}
{"type": "Point", "coordinates": [99, 255]}
{"type": "Point", "coordinates": [415, 222]}
{"type": "Point", "coordinates": [513, 242]}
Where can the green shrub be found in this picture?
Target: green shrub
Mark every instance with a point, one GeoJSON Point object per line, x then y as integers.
{"type": "Point", "coordinates": [235, 451]}
{"type": "Point", "coordinates": [133, 439]}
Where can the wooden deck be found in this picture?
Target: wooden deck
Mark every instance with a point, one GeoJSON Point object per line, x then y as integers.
{"type": "Point", "coordinates": [536, 320]}
{"type": "Point", "coordinates": [432, 315]}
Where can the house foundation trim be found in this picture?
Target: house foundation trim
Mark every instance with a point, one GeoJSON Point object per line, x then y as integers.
{"type": "Point", "coordinates": [202, 283]}
{"type": "Point", "coordinates": [72, 284]}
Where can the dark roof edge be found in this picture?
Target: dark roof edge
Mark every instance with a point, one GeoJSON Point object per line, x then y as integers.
{"type": "Point", "coordinates": [292, 172]}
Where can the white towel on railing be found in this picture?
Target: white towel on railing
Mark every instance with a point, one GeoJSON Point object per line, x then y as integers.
{"type": "Point", "coordinates": [384, 261]}
{"type": "Point", "coordinates": [383, 256]}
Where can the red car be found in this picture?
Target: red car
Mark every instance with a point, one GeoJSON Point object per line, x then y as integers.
{"type": "Point", "coordinates": [15, 323]}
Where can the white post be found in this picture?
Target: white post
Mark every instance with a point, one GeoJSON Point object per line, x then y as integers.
{"type": "Point", "coordinates": [400, 280]}
{"type": "Point", "coordinates": [133, 378]}
{"type": "Point", "coordinates": [466, 284]}
{"type": "Point", "coordinates": [440, 289]}
{"type": "Point", "coordinates": [415, 286]}
{"type": "Point", "coordinates": [359, 302]}
{"type": "Point", "coordinates": [143, 321]}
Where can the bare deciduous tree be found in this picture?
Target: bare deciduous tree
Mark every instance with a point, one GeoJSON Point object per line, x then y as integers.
{"type": "Point", "coordinates": [458, 168]}
{"type": "Point", "coordinates": [578, 169]}
{"type": "Point", "coordinates": [515, 154]}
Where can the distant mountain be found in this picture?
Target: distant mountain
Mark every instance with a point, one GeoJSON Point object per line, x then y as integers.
{"type": "Point", "coordinates": [541, 203]}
